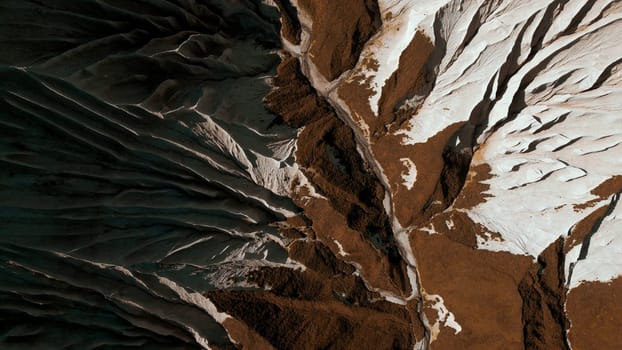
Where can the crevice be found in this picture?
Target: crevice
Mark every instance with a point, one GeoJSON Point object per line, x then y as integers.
{"type": "Point", "coordinates": [585, 246]}
{"type": "Point", "coordinates": [355, 193]}
{"type": "Point", "coordinates": [578, 17]}
{"type": "Point", "coordinates": [291, 28]}
{"type": "Point", "coordinates": [457, 156]}
{"type": "Point", "coordinates": [371, 218]}
{"type": "Point", "coordinates": [518, 101]}
{"type": "Point", "coordinates": [604, 75]}
{"type": "Point", "coordinates": [455, 169]}
{"type": "Point", "coordinates": [562, 118]}
{"type": "Point", "coordinates": [543, 293]}
{"type": "Point", "coordinates": [542, 28]}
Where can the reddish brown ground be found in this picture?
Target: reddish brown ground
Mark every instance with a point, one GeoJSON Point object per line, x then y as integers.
{"type": "Point", "coordinates": [411, 77]}
{"type": "Point", "coordinates": [502, 301]}
{"type": "Point", "coordinates": [475, 187]}
{"type": "Point", "coordinates": [595, 313]}
{"type": "Point", "coordinates": [436, 184]}
{"type": "Point", "coordinates": [246, 338]}
{"type": "Point", "coordinates": [594, 309]}
{"type": "Point", "coordinates": [603, 191]}
{"type": "Point", "coordinates": [609, 187]}
{"type": "Point", "coordinates": [340, 30]}
{"type": "Point", "coordinates": [479, 287]}
{"type": "Point", "coordinates": [290, 26]}
{"type": "Point", "coordinates": [583, 228]}
{"type": "Point", "coordinates": [297, 324]}
{"type": "Point", "coordinates": [354, 213]}
{"type": "Point", "coordinates": [328, 305]}
{"type": "Point", "coordinates": [443, 169]}
{"type": "Point", "coordinates": [544, 295]}
{"type": "Point", "coordinates": [325, 306]}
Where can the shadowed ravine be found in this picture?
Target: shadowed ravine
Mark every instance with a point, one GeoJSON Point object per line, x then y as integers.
{"type": "Point", "coordinates": [133, 140]}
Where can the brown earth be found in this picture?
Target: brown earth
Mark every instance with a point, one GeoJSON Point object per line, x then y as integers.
{"type": "Point", "coordinates": [594, 308]}
{"type": "Point", "coordinates": [475, 186]}
{"type": "Point", "coordinates": [445, 167]}
{"type": "Point", "coordinates": [438, 177]}
{"type": "Point", "coordinates": [324, 306]}
{"type": "Point", "coordinates": [412, 76]}
{"type": "Point", "coordinates": [296, 324]}
{"type": "Point", "coordinates": [340, 31]}
{"type": "Point", "coordinates": [246, 338]}
{"type": "Point", "coordinates": [608, 187]}
{"type": "Point", "coordinates": [500, 300]}
{"type": "Point", "coordinates": [479, 287]}
{"type": "Point", "coordinates": [354, 213]}
{"type": "Point", "coordinates": [290, 25]}
{"type": "Point", "coordinates": [328, 305]}
{"type": "Point", "coordinates": [603, 191]}
{"type": "Point", "coordinates": [595, 313]}
{"type": "Point", "coordinates": [544, 295]}
{"type": "Point", "coordinates": [463, 230]}
{"type": "Point", "coordinates": [585, 227]}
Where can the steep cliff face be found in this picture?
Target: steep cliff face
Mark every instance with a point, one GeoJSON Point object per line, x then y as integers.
{"type": "Point", "coordinates": [311, 174]}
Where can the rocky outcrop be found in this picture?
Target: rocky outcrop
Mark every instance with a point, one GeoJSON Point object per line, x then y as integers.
{"type": "Point", "coordinates": [543, 291]}
{"type": "Point", "coordinates": [338, 31]}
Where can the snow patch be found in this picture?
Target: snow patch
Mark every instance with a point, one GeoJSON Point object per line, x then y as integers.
{"type": "Point", "coordinates": [195, 299]}
{"type": "Point", "coordinates": [341, 251]}
{"type": "Point", "coordinates": [450, 224]}
{"type": "Point", "coordinates": [443, 316]}
{"type": "Point", "coordinates": [411, 173]}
